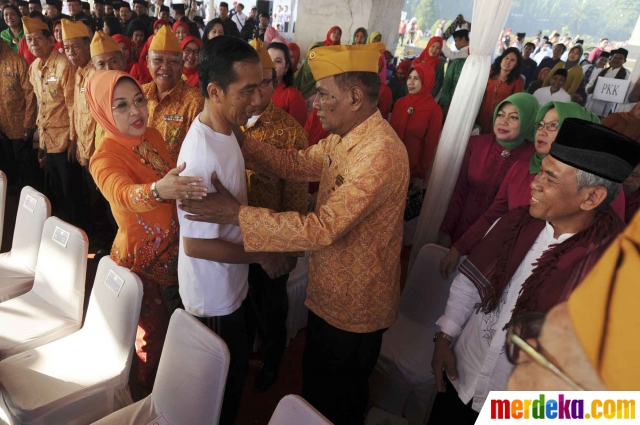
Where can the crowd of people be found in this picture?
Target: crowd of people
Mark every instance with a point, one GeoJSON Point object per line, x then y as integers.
{"type": "Point", "coordinates": [207, 158]}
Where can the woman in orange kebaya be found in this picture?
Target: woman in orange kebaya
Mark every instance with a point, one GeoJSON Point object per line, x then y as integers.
{"type": "Point", "coordinates": [136, 175]}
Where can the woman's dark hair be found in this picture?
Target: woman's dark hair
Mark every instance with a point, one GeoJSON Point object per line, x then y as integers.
{"type": "Point", "coordinates": [287, 79]}
{"type": "Point", "coordinates": [14, 8]}
{"type": "Point", "coordinates": [217, 59]}
{"type": "Point", "coordinates": [209, 27]}
{"type": "Point", "coordinates": [515, 72]}
{"type": "Point", "coordinates": [136, 25]}
{"type": "Point", "coordinates": [194, 31]}
{"type": "Point", "coordinates": [113, 24]}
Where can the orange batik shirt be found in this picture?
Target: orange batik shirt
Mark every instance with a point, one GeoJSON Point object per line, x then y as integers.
{"type": "Point", "coordinates": [279, 129]}
{"type": "Point", "coordinates": [52, 82]}
{"type": "Point", "coordinates": [83, 126]}
{"type": "Point", "coordinates": [173, 115]}
{"type": "Point", "coordinates": [355, 234]}
{"type": "Point", "coordinates": [17, 101]}
{"type": "Point", "coordinates": [148, 232]}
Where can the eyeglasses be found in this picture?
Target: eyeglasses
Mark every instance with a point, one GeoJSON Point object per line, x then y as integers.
{"type": "Point", "coordinates": [527, 327]}
{"type": "Point", "coordinates": [550, 126]}
{"type": "Point", "coordinates": [124, 107]}
{"type": "Point", "coordinates": [266, 83]}
{"type": "Point", "coordinates": [188, 51]}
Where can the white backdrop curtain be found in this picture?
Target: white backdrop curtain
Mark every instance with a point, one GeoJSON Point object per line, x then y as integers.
{"type": "Point", "coordinates": [489, 17]}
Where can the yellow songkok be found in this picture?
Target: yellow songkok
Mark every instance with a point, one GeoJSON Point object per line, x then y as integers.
{"type": "Point", "coordinates": [333, 60]}
{"type": "Point", "coordinates": [604, 312]}
{"type": "Point", "coordinates": [166, 41]}
{"type": "Point", "coordinates": [265, 59]}
{"type": "Point", "coordinates": [71, 29]}
{"type": "Point", "coordinates": [103, 43]}
{"type": "Point", "coordinates": [32, 25]}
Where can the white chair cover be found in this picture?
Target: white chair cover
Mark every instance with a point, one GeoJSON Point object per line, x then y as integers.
{"type": "Point", "coordinates": [402, 382]}
{"type": "Point", "coordinates": [84, 376]}
{"type": "Point", "coordinates": [189, 386]}
{"type": "Point", "coordinates": [52, 309]}
{"type": "Point", "coordinates": [3, 200]}
{"type": "Point", "coordinates": [17, 267]}
{"type": "Point", "coordinates": [297, 294]}
{"type": "Point", "coordinates": [294, 410]}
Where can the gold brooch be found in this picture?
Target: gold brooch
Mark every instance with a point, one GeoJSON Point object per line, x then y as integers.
{"type": "Point", "coordinates": [312, 55]}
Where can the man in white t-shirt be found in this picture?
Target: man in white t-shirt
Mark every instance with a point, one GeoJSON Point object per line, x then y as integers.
{"type": "Point", "coordinates": [554, 92]}
{"type": "Point", "coordinates": [239, 18]}
{"type": "Point", "coordinates": [213, 265]}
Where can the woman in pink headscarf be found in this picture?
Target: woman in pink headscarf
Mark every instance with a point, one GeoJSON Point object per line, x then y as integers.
{"type": "Point", "coordinates": [294, 49]}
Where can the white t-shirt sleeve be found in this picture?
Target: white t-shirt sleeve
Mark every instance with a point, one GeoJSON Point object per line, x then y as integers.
{"type": "Point", "coordinates": [197, 167]}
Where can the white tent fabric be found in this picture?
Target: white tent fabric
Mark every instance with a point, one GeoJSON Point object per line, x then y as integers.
{"type": "Point", "coordinates": [3, 200]}
{"type": "Point", "coordinates": [189, 386]}
{"type": "Point", "coordinates": [18, 267]}
{"type": "Point", "coordinates": [402, 382]}
{"type": "Point", "coordinates": [297, 294]}
{"type": "Point", "coordinates": [52, 309]}
{"type": "Point", "coordinates": [294, 410]}
{"type": "Point", "coordinates": [488, 20]}
{"type": "Point", "coordinates": [84, 376]}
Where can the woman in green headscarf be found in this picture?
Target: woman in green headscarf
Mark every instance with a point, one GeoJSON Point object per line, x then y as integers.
{"type": "Point", "coordinates": [303, 78]}
{"type": "Point", "coordinates": [574, 71]}
{"type": "Point", "coordinates": [376, 37]}
{"type": "Point", "coordinates": [515, 190]}
{"type": "Point", "coordinates": [360, 36]}
{"type": "Point", "coordinates": [487, 161]}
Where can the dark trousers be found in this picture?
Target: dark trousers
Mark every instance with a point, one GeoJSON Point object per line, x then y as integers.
{"type": "Point", "coordinates": [449, 409]}
{"type": "Point", "coordinates": [231, 329]}
{"type": "Point", "coordinates": [401, 36]}
{"type": "Point", "coordinates": [19, 162]}
{"type": "Point", "coordinates": [267, 313]}
{"type": "Point", "coordinates": [63, 180]}
{"type": "Point", "coordinates": [336, 366]}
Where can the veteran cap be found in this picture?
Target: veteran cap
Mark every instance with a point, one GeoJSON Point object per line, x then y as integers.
{"type": "Point", "coordinates": [265, 59]}
{"type": "Point", "coordinates": [103, 43]}
{"type": "Point", "coordinates": [71, 29]}
{"type": "Point", "coordinates": [32, 25]}
{"type": "Point", "coordinates": [333, 60]}
{"type": "Point", "coordinates": [165, 40]}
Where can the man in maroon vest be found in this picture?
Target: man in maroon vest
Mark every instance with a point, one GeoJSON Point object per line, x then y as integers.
{"type": "Point", "coordinates": [529, 261]}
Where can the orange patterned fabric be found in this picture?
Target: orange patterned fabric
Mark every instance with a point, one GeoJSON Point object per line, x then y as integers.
{"type": "Point", "coordinates": [277, 128]}
{"type": "Point", "coordinates": [83, 126]}
{"type": "Point", "coordinates": [52, 82]}
{"type": "Point", "coordinates": [173, 115]}
{"type": "Point", "coordinates": [355, 234]}
{"type": "Point", "coordinates": [147, 238]}
{"type": "Point", "coordinates": [17, 100]}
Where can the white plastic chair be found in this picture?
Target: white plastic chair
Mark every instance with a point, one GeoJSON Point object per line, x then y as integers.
{"type": "Point", "coordinates": [84, 376]}
{"type": "Point", "coordinates": [402, 382]}
{"type": "Point", "coordinates": [294, 410]}
{"type": "Point", "coordinates": [297, 294]}
{"type": "Point", "coordinates": [52, 309]}
{"type": "Point", "coordinates": [189, 386]}
{"type": "Point", "coordinates": [17, 267]}
{"type": "Point", "coordinates": [3, 200]}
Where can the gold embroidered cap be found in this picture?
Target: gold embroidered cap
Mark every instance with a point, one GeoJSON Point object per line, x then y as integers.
{"type": "Point", "coordinates": [31, 25]}
{"type": "Point", "coordinates": [265, 59]}
{"type": "Point", "coordinates": [333, 60]}
{"type": "Point", "coordinates": [103, 43]}
{"type": "Point", "coordinates": [71, 29]}
{"type": "Point", "coordinates": [165, 41]}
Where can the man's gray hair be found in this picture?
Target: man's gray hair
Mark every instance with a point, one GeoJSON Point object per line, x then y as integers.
{"type": "Point", "coordinates": [585, 179]}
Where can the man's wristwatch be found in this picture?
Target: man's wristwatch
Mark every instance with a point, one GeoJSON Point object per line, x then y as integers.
{"type": "Point", "coordinates": [155, 193]}
{"type": "Point", "coordinates": [443, 335]}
